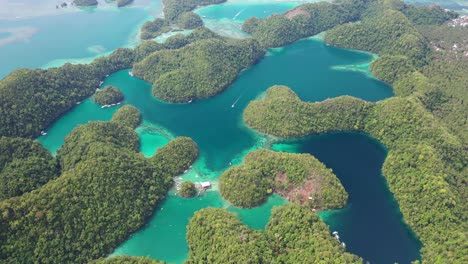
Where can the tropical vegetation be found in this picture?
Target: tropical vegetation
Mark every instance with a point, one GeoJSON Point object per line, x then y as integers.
{"type": "Point", "coordinates": [25, 165]}
{"type": "Point", "coordinates": [300, 178]}
{"type": "Point", "coordinates": [294, 234]}
{"type": "Point", "coordinates": [105, 192]}
{"type": "Point", "coordinates": [425, 167]}
{"type": "Point", "coordinates": [127, 115]}
{"type": "Point", "coordinates": [108, 95]}
{"type": "Point", "coordinates": [187, 189]}
{"type": "Point", "coordinates": [197, 71]}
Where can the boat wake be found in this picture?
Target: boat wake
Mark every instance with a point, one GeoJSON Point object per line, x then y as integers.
{"type": "Point", "coordinates": [238, 14]}
{"type": "Point", "coordinates": [237, 100]}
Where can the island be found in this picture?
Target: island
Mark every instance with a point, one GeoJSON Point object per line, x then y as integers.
{"type": "Point", "coordinates": [187, 189]}
{"type": "Point", "coordinates": [121, 3]}
{"type": "Point", "coordinates": [106, 182]}
{"type": "Point", "coordinates": [127, 115]}
{"type": "Point", "coordinates": [78, 206]}
{"type": "Point", "coordinates": [293, 234]}
{"type": "Point", "coordinates": [422, 153]}
{"type": "Point", "coordinates": [25, 165]}
{"type": "Point", "coordinates": [85, 2]}
{"type": "Point", "coordinates": [110, 95]}
{"type": "Point", "coordinates": [300, 178]}
{"type": "Point", "coordinates": [200, 70]}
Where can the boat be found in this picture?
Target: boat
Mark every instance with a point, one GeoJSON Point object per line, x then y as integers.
{"type": "Point", "coordinates": [233, 105]}
{"type": "Point", "coordinates": [185, 171]}
{"type": "Point", "coordinates": [107, 75]}
{"type": "Point", "coordinates": [118, 103]}
{"type": "Point", "coordinates": [189, 101]}
{"type": "Point", "coordinates": [78, 103]}
{"type": "Point", "coordinates": [101, 83]}
{"type": "Point", "coordinates": [335, 233]}
{"type": "Point", "coordinates": [43, 133]}
{"type": "Point", "coordinates": [343, 244]}
{"type": "Point", "coordinates": [130, 73]}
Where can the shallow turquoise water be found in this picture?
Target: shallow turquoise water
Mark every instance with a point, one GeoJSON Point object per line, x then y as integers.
{"type": "Point", "coordinates": [227, 18]}
{"type": "Point", "coordinates": [308, 67]}
{"type": "Point", "coordinates": [370, 225]}
{"type": "Point", "coordinates": [315, 72]}
{"type": "Point", "coordinates": [47, 41]}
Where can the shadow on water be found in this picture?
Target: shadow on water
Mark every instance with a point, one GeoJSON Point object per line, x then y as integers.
{"type": "Point", "coordinates": [371, 224]}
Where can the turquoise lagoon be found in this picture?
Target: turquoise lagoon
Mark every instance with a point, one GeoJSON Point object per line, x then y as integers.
{"type": "Point", "coordinates": [371, 224]}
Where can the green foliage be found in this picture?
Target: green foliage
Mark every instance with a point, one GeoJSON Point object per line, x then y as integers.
{"type": "Point", "coordinates": [389, 68]}
{"type": "Point", "coordinates": [78, 142]}
{"type": "Point", "coordinates": [24, 166]}
{"type": "Point", "coordinates": [300, 178]}
{"type": "Point", "coordinates": [293, 235]}
{"type": "Point", "coordinates": [303, 21]}
{"type": "Point", "coordinates": [189, 20]}
{"type": "Point", "coordinates": [425, 168]}
{"type": "Point", "coordinates": [145, 48]}
{"type": "Point", "coordinates": [200, 70]}
{"type": "Point", "coordinates": [410, 83]}
{"type": "Point", "coordinates": [428, 15]}
{"type": "Point", "coordinates": [90, 209]}
{"type": "Point", "coordinates": [121, 3]}
{"type": "Point", "coordinates": [174, 8]}
{"type": "Point", "coordinates": [126, 260]}
{"type": "Point", "coordinates": [152, 29]}
{"type": "Point", "coordinates": [296, 234]}
{"type": "Point", "coordinates": [108, 95]}
{"type": "Point", "coordinates": [283, 114]}
{"type": "Point", "coordinates": [127, 115]}
{"type": "Point", "coordinates": [216, 236]}
{"type": "Point", "coordinates": [85, 2]}
{"type": "Point", "coordinates": [176, 42]}
{"type": "Point", "coordinates": [31, 99]}
{"type": "Point", "coordinates": [388, 32]}
{"type": "Point", "coordinates": [187, 189]}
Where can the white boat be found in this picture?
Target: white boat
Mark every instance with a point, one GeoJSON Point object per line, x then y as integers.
{"type": "Point", "coordinates": [189, 101]}
{"type": "Point", "coordinates": [78, 103]}
{"type": "Point", "coordinates": [101, 83]}
{"type": "Point", "coordinates": [343, 244]}
{"type": "Point", "coordinates": [130, 73]}
{"type": "Point", "coordinates": [118, 103]}
{"type": "Point", "coordinates": [335, 233]}
{"type": "Point", "coordinates": [107, 75]}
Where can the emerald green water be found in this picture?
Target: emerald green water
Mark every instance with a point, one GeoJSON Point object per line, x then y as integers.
{"type": "Point", "coordinates": [315, 72]}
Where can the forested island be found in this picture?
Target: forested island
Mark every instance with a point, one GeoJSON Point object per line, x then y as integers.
{"type": "Point", "coordinates": [109, 95]}
{"type": "Point", "coordinates": [425, 167]}
{"type": "Point", "coordinates": [178, 15]}
{"type": "Point", "coordinates": [300, 178]}
{"type": "Point", "coordinates": [106, 190]}
{"type": "Point", "coordinates": [293, 234]}
{"type": "Point", "coordinates": [80, 205]}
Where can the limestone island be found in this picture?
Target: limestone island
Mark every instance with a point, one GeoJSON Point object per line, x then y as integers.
{"type": "Point", "coordinates": [108, 96]}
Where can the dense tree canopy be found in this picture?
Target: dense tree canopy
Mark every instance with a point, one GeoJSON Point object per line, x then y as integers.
{"type": "Point", "coordinates": [152, 29]}
{"type": "Point", "coordinates": [189, 20]}
{"type": "Point", "coordinates": [187, 189]}
{"type": "Point", "coordinates": [127, 115]}
{"type": "Point", "coordinates": [200, 70]}
{"type": "Point", "coordinates": [294, 234]}
{"type": "Point", "coordinates": [24, 166]}
{"type": "Point", "coordinates": [101, 197]}
{"type": "Point", "coordinates": [425, 168]}
{"type": "Point", "coordinates": [303, 21]}
{"type": "Point", "coordinates": [31, 99]}
{"type": "Point", "coordinates": [298, 177]}
{"type": "Point", "coordinates": [108, 95]}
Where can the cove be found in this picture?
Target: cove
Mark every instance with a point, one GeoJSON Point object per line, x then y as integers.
{"type": "Point", "coordinates": [78, 37]}
{"type": "Point", "coordinates": [312, 69]}
{"type": "Point", "coordinates": [371, 223]}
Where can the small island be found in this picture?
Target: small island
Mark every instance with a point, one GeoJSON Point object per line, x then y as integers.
{"type": "Point", "coordinates": [127, 115]}
{"type": "Point", "coordinates": [152, 29]}
{"type": "Point", "coordinates": [187, 189]}
{"type": "Point", "coordinates": [121, 3]}
{"type": "Point", "coordinates": [85, 2]}
{"type": "Point", "coordinates": [110, 95]}
{"type": "Point", "coordinates": [300, 178]}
